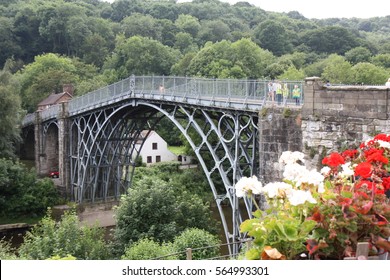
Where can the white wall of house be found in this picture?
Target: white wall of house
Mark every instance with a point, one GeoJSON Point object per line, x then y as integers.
{"type": "Point", "coordinates": [155, 149]}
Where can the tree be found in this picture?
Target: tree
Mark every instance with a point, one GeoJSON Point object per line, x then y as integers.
{"type": "Point", "coordinates": [141, 56]}
{"type": "Point", "coordinates": [141, 25]}
{"type": "Point", "coordinates": [156, 208]}
{"type": "Point", "coordinates": [382, 60]}
{"type": "Point", "coordinates": [213, 31]}
{"type": "Point", "coordinates": [330, 39]}
{"type": "Point", "coordinates": [10, 113]}
{"type": "Point", "coordinates": [188, 24]}
{"type": "Point", "coordinates": [369, 74]}
{"type": "Point", "coordinates": [46, 74]}
{"type": "Point", "coordinates": [8, 43]}
{"type": "Point", "coordinates": [292, 74]}
{"type": "Point", "coordinates": [241, 59]}
{"type": "Point", "coordinates": [337, 70]}
{"type": "Point", "coordinates": [358, 54]}
{"type": "Point", "coordinates": [272, 36]}
{"type": "Point", "coordinates": [21, 193]}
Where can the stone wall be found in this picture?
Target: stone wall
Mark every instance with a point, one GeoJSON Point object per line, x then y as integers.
{"type": "Point", "coordinates": [341, 117]}
{"type": "Point", "coordinates": [279, 131]}
{"type": "Point", "coordinates": [333, 118]}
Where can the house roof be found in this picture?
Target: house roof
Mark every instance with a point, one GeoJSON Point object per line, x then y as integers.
{"type": "Point", "coordinates": [53, 98]}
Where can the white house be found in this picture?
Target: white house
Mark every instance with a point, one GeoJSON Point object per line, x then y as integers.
{"type": "Point", "coordinates": [155, 148]}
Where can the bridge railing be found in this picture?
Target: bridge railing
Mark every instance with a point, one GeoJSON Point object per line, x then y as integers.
{"type": "Point", "coordinates": [51, 112]}
{"type": "Point", "coordinates": [156, 87]}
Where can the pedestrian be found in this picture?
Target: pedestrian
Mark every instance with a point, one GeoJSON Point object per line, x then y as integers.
{"type": "Point", "coordinates": [279, 93]}
{"type": "Point", "coordinates": [285, 92]}
{"type": "Point", "coordinates": [161, 89]}
{"type": "Point", "coordinates": [296, 94]}
{"type": "Point", "coordinates": [271, 94]}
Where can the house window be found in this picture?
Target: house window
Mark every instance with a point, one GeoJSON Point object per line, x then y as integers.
{"type": "Point", "coordinates": [154, 146]}
{"type": "Point", "coordinates": [158, 158]}
{"type": "Point", "coordinates": [149, 159]}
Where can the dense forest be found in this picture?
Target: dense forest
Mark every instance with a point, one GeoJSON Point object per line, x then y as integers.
{"type": "Point", "coordinates": [45, 44]}
{"type": "Point", "coordinates": [90, 43]}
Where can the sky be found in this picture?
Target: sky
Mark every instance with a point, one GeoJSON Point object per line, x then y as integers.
{"type": "Point", "coordinates": [324, 8]}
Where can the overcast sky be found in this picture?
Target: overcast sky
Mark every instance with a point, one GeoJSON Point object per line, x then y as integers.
{"type": "Point", "coordinates": [325, 8]}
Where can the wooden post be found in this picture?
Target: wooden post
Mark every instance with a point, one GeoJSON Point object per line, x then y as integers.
{"type": "Point", "coordinates": [189, 254]}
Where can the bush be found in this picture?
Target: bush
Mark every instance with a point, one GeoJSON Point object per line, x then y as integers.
{"type": "Point", "coordinates": [6, 251]}
{"type": "Point", "coordinates": [155, 209]}
{"type": "Point", "coordinates": [197, 239]}
{"type": "Point", "coordinates": [147, 249]}
{"type": "Point", "coordinates": [67, 237]}
{"type": "Point", "coordinates": [21, 193]}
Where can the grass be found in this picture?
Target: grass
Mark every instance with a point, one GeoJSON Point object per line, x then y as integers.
{"type": "Point", "coordinates": [177, 150]}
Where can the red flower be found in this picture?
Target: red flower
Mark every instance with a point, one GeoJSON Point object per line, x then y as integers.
{"type": "Point", "coordinates": [349, 154]}
{"type": "Point", "coordinates": [386, 183]}
{"type": "Point", "coordinates": [378, 157]}
{"type": "Point", "coordinates": [363, 170]}
{"type": "Point", "coordinates": [333, 160]}
{"type": "Point", "coordinates": [383, 137]}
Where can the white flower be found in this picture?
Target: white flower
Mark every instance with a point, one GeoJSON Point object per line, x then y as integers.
{"type": "Point", "coordinates": [277, 189]}
{"type": "Point", "coordinates": [291, 157]}
{"type": "Point", "coordinates": [298, 197]}
{"type": "Point", "coordinates": [294, 171]}
{"type": "Point", "coordinates": [347, 170]}
{"type": "Point", "coordinates": [325, 170]}
{"type": "Point", "coordinates": [248, 186]}
{"type": "Point", "coordinates": [383, 144]}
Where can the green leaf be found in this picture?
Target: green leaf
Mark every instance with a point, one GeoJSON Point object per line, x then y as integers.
{"type": "Point", "coordinates": [247, 225]}
{"type": "Point", "coordinates": [347, 194]}
{"type": "Point", "coordinates": [253, 254]}
{"type": "Point", "coordinates": [306, 227]}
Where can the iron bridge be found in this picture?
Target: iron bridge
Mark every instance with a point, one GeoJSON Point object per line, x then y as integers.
{"type": "Point", "coordinates": [217, 117]}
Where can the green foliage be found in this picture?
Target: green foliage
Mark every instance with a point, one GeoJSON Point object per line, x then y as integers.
{"type": "Point", "coordinates": [204, 244]}
{"type": "Point", "coordinates": [231, 60]}
{"type": "Point", "coordinates": [160, 205]}
{"type": "Point", "coordinates": [369, 74]}
{"type": "Point", "coordinates": [21, 193]}
{"type": "Point", "coordinates": [141, 56]}
{"type": "Point", "coordinates": [337, 70]}
{"type": "Point", "coordinates": [60, 239]}
{"type": "Point", "coordinates": [10, 114]}
{"type": "Point", "coordinates": [272, 36]}
{"type": "Point", "coordinates": [358, 54]}
{"type": "Point", "coordinates": [147, 249]}
{"type": "Point", "coordinates": [6, 251]}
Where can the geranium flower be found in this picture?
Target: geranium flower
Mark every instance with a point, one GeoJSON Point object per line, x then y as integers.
{"type": "Point", "coordinates": [277, 189]}
{"type": "Point", "coordinates": [298, 197]}
{"type": "Point", "coordinates": [248, 186]}
{"type": "Point", "coordinates": [363, 170]}
{"type": "Point", "coordinates": [347, 170]}
{"type": "Point", "coordinates": [349, 154]}
{"type": "Point", "coordinates": [288, 157]}
{"type": "Point", "coordinates": [333, 160]}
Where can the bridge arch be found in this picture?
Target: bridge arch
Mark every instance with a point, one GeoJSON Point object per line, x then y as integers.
{"type": "Point", "coordinates": [223, 141]}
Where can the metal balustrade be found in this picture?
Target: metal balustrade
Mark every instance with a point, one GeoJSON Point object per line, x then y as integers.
{"type": "Point", "coordinates": [225, 93]}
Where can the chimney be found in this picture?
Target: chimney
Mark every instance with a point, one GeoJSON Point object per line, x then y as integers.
{"type": "Point", "coordinates": [68, 88]}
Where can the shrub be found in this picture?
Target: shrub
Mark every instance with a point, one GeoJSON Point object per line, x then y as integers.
{"type": "Point", "coordinates": [21, 193]}
{"type": "Point", "coordinates": [67, 237]}
{"type": "Point", "coordinates": [203, 243]}
{"type": "Point", "coordinates": [147, 249]}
